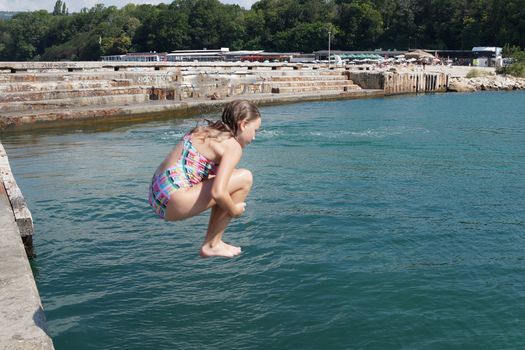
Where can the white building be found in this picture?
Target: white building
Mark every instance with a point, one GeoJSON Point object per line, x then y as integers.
{"type": "Point", "coordinates": [487, 56]}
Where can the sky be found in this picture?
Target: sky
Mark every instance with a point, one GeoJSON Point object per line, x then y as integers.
{"type": "Point", "coordinates": [76, 5]}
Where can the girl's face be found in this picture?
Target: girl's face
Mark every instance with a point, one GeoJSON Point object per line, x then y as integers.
{"type": "Point", "coordinates": [247, 131]}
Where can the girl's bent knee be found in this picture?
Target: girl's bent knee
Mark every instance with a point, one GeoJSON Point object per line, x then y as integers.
{"type": "Point", "coordinates": [246, 177]}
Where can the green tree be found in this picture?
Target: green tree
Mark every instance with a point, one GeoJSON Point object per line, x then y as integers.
{"type": "Point", "coordinates": [60, 8]}
{"type": "Point", "coordinates": [26, 32]}
{"type": "Point", "coordinates": [305, 37]}
{"type": "Point", "coordinates": [5, 41]}
{"type": "Point", "coordinates": [281, 25]}
{"type": "Point", "coordinates": [361, 25]}
{"type": "Point", "coordinates": [162, 28]}
{"type": "Point", "coordinates": [283, 21]}
{"type": "Point", "coordinates": [255, 29]}
{"type": "Point", "coordinates": [399, 27]}
{"type": "Point", "coordinates": [517, 68]}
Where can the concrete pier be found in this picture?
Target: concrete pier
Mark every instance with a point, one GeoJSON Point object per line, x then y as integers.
{"type": "Point", "coordinates": [22, 320]}
{"type": "Point", "coordinates": [36, 93]}
{"type": "Point", "coordinates": [21, 213]}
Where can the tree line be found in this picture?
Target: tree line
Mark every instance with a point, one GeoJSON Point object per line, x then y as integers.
{"type": "Point", "coordinates": [271, 25]}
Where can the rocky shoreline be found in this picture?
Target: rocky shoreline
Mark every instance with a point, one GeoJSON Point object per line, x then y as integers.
{"type": "Point", "coordinates": [486, 83]}
{"type": "Point", "coordinates": [486, 78]}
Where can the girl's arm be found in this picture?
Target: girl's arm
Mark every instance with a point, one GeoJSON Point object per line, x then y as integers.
{"type": "Point", "coordinates": [231, 155]}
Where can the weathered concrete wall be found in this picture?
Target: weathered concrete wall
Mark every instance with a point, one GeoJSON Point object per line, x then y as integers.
{"type": "Point", "coordinates": [367, 80]}
{"type": "Point", "coordinates": [22, 320]}
{"type": "Point", "coordinates": [403, 83]}
{"type": "Point", "coordinates": [394, 83]}
{"type": "Point", "coordinates": [38, 92]}
{"type": "Point", "coordinates": [21, 213]}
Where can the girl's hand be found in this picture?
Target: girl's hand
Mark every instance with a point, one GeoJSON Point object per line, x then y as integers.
{"type": "Point", "coordinates": [238, 209]}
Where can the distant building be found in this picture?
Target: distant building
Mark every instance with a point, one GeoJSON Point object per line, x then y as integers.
{"type": "Point", "coordinates": [198, 55]}
{"type": "Point", "coordinates": [174, 56]}
{"type": "Point", "coordinates": [487, 56]}
{"type": "Point", "coordinates": [213, 55]}
{"type": "Point", "coordinates": [137, 57]}
{"type": "Point", "coordinates": [480, 56]}
{"type": "Point", "coordinates": [261, 56]}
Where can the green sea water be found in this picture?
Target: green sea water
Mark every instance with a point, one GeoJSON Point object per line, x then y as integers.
{"type": "Point", "coordinates": [394, 223]}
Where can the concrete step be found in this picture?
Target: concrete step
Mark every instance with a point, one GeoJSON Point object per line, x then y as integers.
{"type": "Point", "coordinates": [315, 83]}
{"type": "Point", "coordinates": [296, 73]}
{"type": "Point", "coordinates": [136, 76]}
{"type": "Point", "coordinates": [64, 85]}
{"type": "Point", "coordinates": [68, 94]}
{"type": "Point", "coordinates": [334, 88]}
{"type": "Point", "coordinates": [308, 78]}
{"type": "Point", "coordinates": [44, 105]}
{"type": "Point", "coordinates": [268, 87]}
{"type": "Point", "coordinates": [53, 77]}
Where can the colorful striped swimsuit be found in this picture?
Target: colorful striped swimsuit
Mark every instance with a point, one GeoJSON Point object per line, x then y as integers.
{"type": "Point", "coordinates": [191, 169]}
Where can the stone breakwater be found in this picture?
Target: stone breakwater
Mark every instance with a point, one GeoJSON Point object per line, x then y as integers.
{"type": "Point", "coordinates": [489, 82]}
{"type": "Point", "coordinates": [39, 94]}
{"type": "Point", "coordinates": [32, 93]}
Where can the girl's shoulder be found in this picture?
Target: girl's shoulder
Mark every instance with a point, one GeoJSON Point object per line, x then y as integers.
{"type": "Point", "coordinates": [206, 133]}
{"type": "Point", "coordinates": [218, 141]}
{"type": "Point", "coordinates": [224, 142]}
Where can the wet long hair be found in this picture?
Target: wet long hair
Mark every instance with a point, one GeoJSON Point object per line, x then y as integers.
{"type": "Point", "coordinates": [233, 113]}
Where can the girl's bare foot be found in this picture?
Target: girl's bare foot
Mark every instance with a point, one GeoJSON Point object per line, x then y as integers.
{"type": "Point", "coordinates": [220, 249]}
{"type": "Point", "coordinates": [235, 250]}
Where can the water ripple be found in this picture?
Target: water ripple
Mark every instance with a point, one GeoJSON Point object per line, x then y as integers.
{"type": "Point", "coordinates": [384, 223]}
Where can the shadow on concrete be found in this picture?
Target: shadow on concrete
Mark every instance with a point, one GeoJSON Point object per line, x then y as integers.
{"type": "Point", "coordinates": [39, 318]}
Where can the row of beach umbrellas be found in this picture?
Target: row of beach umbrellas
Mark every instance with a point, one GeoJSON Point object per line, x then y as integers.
{"type": "Point", "coordinates": [363, 56]}
{"type": "Point", "coordinates": [417, 55]}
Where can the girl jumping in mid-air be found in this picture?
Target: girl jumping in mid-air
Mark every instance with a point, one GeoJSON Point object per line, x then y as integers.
{"type": "Point", "coordinates": [200, 173]}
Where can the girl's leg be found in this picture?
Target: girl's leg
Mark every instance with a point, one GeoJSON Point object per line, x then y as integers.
{"type": "Point", "coordinates": [219, 220]}
{"type": "Point", "coordinates": [192, 201]}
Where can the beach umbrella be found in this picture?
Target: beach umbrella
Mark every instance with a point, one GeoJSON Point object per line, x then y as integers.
{"type": "Point", "coordinates": [418, 54]}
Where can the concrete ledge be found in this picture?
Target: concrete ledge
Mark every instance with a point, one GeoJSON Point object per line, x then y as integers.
{"type": "Point", "coordinates": [166, 109]}
{"type": "Point", "coordinates": [35, 99]}
{"type": "Point", "coordinates": [22, 215]}
{"type": "Point", "coordinates": [22, 320]}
